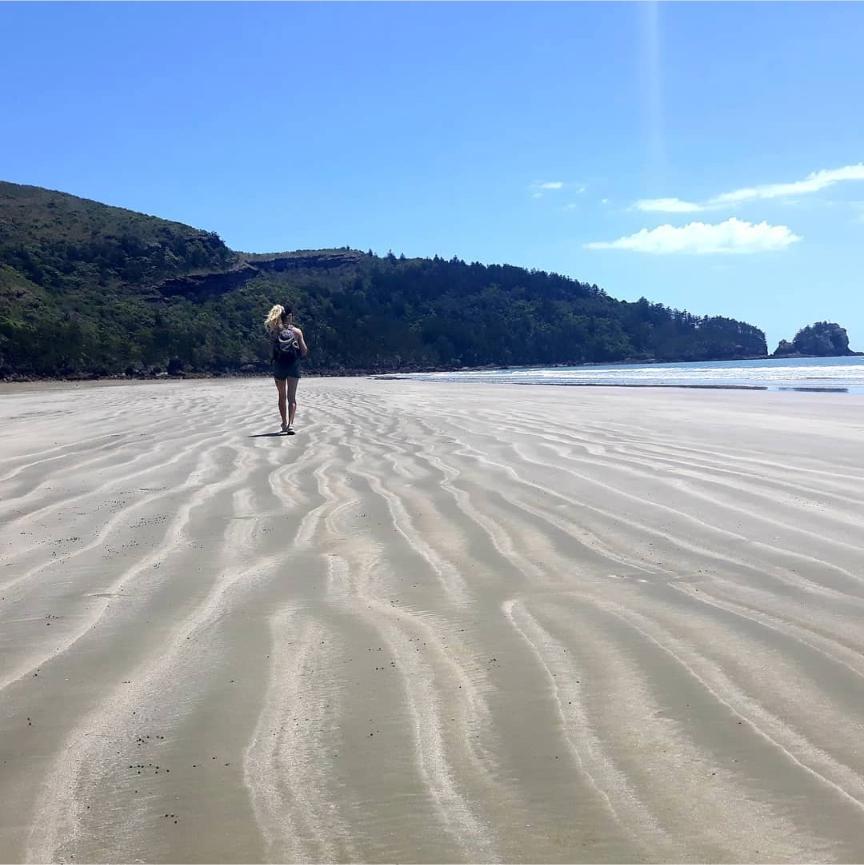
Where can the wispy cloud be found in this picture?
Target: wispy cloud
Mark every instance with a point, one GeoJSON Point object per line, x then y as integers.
{"type": "Point", "coordinates": [540, 187]}
{"type": "Point", "coordinates": [667, 205]}
{"type": "Point", "coordinates": [813, 182]}
{"type": "Point", "coordinates": [733, 236]}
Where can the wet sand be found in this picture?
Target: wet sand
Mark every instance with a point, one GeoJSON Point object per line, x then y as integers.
{"type": "Point", "coordinates": [442, 623]}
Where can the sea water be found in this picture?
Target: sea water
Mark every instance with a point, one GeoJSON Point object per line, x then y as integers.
{"type": "Point", "coordinates": [838, 374]}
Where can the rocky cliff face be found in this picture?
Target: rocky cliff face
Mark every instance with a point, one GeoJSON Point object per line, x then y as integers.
{"type": "Point", "coordinates": [210, 284]}
{"type": "Point", "coordinates": [318, 259]}
{"type": "Point", "coordinates": [205, 284]}
{"type": "Point", "coordinates": [823, 339]}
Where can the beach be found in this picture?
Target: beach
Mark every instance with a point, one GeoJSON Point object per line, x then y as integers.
{"type": "Point", "coordinates": [445, 622]}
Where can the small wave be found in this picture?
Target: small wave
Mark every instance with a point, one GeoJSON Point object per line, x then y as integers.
{"type": "Point", "coordinates": [834, 375]}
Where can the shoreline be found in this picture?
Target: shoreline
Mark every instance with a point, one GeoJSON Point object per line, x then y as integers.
{"type": "Point", "coordinates": [12, 387]}
{"type": "Point", "coordinates": [401, 373]}
{"type": "Point", "coordinates": [748, 387]}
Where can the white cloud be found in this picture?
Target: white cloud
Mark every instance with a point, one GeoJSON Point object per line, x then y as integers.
{"type": "Point", "coordinates": [814, 182]}
{"type": "Point", "coordinates": [667, 205]}
{"type": "Point", "coordinates": [538, 188]}
{"type": "Point", "coordinates": [699, 238]}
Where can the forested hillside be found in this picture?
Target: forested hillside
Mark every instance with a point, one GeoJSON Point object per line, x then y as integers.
{"type": "Point", "coordinates": [87, 289]}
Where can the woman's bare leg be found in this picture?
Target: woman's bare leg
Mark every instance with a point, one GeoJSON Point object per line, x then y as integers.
{"type": "Point", "coordinates": [280, 389]}
{"type": "Point", "coordinates": [292, 398]}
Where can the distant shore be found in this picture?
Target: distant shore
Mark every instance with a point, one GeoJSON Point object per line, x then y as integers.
{"type": "Point", "coordinates": [263, 369]}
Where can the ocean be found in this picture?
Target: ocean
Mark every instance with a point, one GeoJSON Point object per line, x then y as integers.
{"type": "Point", "coordinates": [831, 374]}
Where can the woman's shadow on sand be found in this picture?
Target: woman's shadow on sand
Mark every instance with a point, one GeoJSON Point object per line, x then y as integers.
{"type": "Point", "coordinates": [268, 435]}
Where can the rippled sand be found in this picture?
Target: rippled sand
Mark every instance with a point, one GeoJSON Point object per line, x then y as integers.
{"type": "Point", "coordinates": [442, 623]}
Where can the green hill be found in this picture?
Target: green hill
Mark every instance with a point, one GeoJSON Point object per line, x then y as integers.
{"type": "Point", "coordinates": [87, 289]}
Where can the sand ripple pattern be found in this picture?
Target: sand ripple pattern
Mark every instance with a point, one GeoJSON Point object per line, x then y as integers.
{"type": "Point", "coordinates": [443, 623]}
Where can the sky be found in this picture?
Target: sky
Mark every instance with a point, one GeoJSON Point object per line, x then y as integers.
{"type": "Point", "coordinates": [709, 156]}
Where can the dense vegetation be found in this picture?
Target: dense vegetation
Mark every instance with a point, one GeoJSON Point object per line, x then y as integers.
{"type": "Point", "coordinates": [822, 339]}
{"type": "Point", "coordinates": [91, 289]}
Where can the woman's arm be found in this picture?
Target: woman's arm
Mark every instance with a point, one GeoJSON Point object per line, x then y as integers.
{"type": "Point", "coordinates": [304, 349]}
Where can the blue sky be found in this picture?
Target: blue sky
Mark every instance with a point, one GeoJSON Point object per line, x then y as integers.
{"type": "Point", "coordinates": [707, 156]}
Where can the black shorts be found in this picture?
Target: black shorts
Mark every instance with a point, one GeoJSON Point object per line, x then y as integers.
{"type": "Point", "coordinates": [286, 368]}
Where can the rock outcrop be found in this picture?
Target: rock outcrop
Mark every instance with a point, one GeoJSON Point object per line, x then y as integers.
{"type": "Point", "coordinates": [220, 282]}
{"type": "Point", "coordinates": [318, 259]}
{"type": "Point", "coordinates": [206, 284]}
{"type": "Point", "coordinates": [822, 339]}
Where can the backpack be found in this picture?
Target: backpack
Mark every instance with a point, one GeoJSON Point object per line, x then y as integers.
{"type": "Point", "coordinates": [287, 347]}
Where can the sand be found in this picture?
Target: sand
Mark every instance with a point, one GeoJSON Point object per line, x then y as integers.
{"type": "Point", "coordinates": [441, 623]}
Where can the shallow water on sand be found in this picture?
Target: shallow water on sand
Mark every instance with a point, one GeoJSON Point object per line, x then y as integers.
{"type": "Point", "coordinates": [830, 373]}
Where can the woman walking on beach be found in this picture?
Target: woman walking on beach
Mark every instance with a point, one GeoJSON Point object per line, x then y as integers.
{"type": "Point", "coordinates": [288, 347]}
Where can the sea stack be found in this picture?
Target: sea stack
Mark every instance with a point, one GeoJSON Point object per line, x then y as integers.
{"type": "Point", "coordinates": [822, 339]}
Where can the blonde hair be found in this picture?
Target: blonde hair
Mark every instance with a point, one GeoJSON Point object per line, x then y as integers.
{"type": "Point", "coordinates": [273, 322]}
